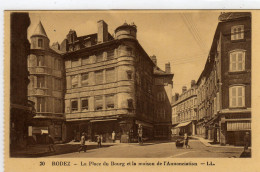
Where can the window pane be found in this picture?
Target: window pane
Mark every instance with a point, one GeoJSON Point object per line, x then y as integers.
{"type": "Point", "coordinates": [98, 102]}
{"type": "Point", "coordinates": [99, 77]}
{"type": "Point", "coordinates": [84, 104]}
{"type": "Point", "coordinates": [109, 101]}
{"type": "Point", "coordinates": [239, 91]}
{"type": "Point", "coordinates": [239, 101]}
{"type": "Point", "coordinates": [239, 66]}
{"type": "Point", "coordinates": [84, 79]}
{"type": "Point", "coordinates": [240, 54]}
{"type": "Point", "coordinates": [110, 75]}
{"type": "Point", "coordinates": [74, 105]}
{"type": "Point", "coordinates": [74, 81]}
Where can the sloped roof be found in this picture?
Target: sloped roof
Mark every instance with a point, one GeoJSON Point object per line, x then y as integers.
{"type": "Point", "coordinates": [39, 31]}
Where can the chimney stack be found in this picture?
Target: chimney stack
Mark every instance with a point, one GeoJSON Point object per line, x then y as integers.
{"type": "Point", "coordinates": [193, 83]}
{"type": "Point", "coordinates": [102, 31]}
{"type": "Point", "coordinates": [153, 57]}
{"type": "Point", "coordinates": [184, 89]}
{"type": "Point", "coordinates": [168, 67]}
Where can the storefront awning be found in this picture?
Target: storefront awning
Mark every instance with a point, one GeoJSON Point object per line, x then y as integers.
{"type": "Point", "coordinates": [238, 125]}
{"type": "Point", "coordinates": [182, 124]}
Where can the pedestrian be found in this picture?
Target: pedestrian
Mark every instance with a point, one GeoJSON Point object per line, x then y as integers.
{"type": "Point", "coordinates": [50, 141]}
{"type": "Point", "coordinates": [246, 141]}
{"type": "Point", "coordinates": [140, 134]}
{"type": "Point", "coordinates": [82, 143]}
{"type": "Point", "coordinates": [186, 140]}
{"type": "Point", "coordinates": [113, 136]}
{"type": "Point", "coordinates": [99, 139]}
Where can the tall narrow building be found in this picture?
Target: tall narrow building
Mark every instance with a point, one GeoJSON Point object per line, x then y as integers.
{"type": "Point", "coordinates": [46, 88]}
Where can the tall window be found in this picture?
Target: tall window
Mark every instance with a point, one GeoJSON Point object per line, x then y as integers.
{"type": "Point", "coordinates": [74, 105]}
{"type": "Point", "coordinates": [84, 104]}
{"type": "Point", "coordinates": [84, 79]}
{"type": "Point", "coordinates": [99, 57]}
{"type": "Point", "coordinates": [110, 75]}
{"type": "Point", "coordinates": [237, 96]}
{"type": "Point", "coordinates": [237, 32]}
{"type": "Point", "coordinates": [40, 81]}
{"type": "Point", "coordinates": [237, 61]}
{"type": "Point", "coordinates": [85, 60]}
{"type": "Point", "coordinates": [41, 104]}
{"type": "Point", "coordinates": [74, 81]}
{"type": "Point", "coordinates": [40, 43]}
{"type": "Point", "coordinates": [99, 77]}
{"type": "Point", "coordinates": [98, 102]}
{"type": "Point", "coordinates": [110, 54]}
{"type": "Point", "coordinates": [110, 103]}
{"type": "Point", "coordinates": [40, 61]}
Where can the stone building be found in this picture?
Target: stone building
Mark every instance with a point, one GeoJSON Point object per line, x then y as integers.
{"type": "Point", "coordinates": [21, 109]}
{"type": "Point", "coordinates": [110, 85]}
{"type": "Point", "coordinates": [224, 87]}
{"type": "Point", "coordinates": [46, 88]}
{"type": "Point", "coordinates": [184, 111]}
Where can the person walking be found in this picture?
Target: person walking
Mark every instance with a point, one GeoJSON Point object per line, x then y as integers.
{"type": "Point", "coordinates": [99, 139]}
{"type": "Point", "coordinates": [186, 140]}
{"type": "Point", "coordinates": [51, 143]}
{"type": "Point", "coordinates": [82, 143]}
{"type": "Point", "coordinates": [113, 136]}
{"type": "Point", "coordinates": [140, 134]}
{"type": "Point", "coordinates": [246, 141]}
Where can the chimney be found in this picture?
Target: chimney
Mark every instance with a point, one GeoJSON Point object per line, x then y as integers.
{"type": "Point", "coordinates": [192, 83]}
{"type": "Point", "coordinates": [153, 57]}
{"type": "Point", "coordinates": [168, 67]}
{"type": "Point", "coordinates": [184, 89]}
{"type": "Point", "coordinates": [102, 31]}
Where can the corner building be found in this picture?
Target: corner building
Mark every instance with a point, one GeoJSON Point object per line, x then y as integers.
{"type": "Point", "coordinates": [46, 88]}
{"type": "Point", "coordinates": [109, 85]}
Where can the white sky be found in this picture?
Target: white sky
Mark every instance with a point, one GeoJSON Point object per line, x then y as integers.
{"type": "Point", "coordinates": [183, 39]}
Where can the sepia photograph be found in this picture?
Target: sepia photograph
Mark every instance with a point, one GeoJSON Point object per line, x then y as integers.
{"type": "Point", "coordinates": [130, 84]}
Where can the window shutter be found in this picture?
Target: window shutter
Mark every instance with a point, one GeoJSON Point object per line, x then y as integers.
{"type": "Point", "coordinates": [243, 96]}
{"type": "Point", "coordinates": [243, 60]}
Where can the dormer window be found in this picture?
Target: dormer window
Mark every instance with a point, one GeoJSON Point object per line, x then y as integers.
{"type": "Point", "coordinates": [40, 43]}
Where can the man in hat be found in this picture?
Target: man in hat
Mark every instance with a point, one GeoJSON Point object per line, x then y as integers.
{"type": "Point", "coordinates": [82, 143]}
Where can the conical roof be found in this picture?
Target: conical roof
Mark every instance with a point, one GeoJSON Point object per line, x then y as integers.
{"type": "Point", "coordinates": [39, 31]}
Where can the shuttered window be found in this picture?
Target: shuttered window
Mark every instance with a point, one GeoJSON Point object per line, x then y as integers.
{"type": "Point", "coordinates": [84, 79]}
{"type": "Point", "coordinates": [110, 102]}
{"type": "Point", "coordinates": [237, 96]}
{"type": "Point", "coordinates": [98, 102]}
{"type": "Point", "coordinates": [99, 77]}
{"type": "Point", "coordinates": [110, 75]}
{"type": "Point", "coordinates": [237, 60]}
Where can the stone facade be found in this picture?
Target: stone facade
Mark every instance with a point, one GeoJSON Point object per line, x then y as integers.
{"type": "Point", "coordinates": [46, 88]}
{"type": "Point", "coordinates": [184, 111]}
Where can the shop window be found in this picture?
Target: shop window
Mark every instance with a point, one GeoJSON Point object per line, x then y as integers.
{"type": "Point", "coordinates": [84, 79]}
{"type": "Point", "coordinates": [110, 102]}
{"type": "Point", "coordinates": [110, 75]}
{"type": "Point", "coordinates": [237, 61]}
{"type": "Point", "coordinates": [237, 32]}
{"type": "Point", "coordinates": [84, 104]}
{"type": "Point", "coordinates": [98, 102]}
{"type": "Point", "coordinates": [237, 96]}
{"type": "Point", "coordinates": [74, 105]}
